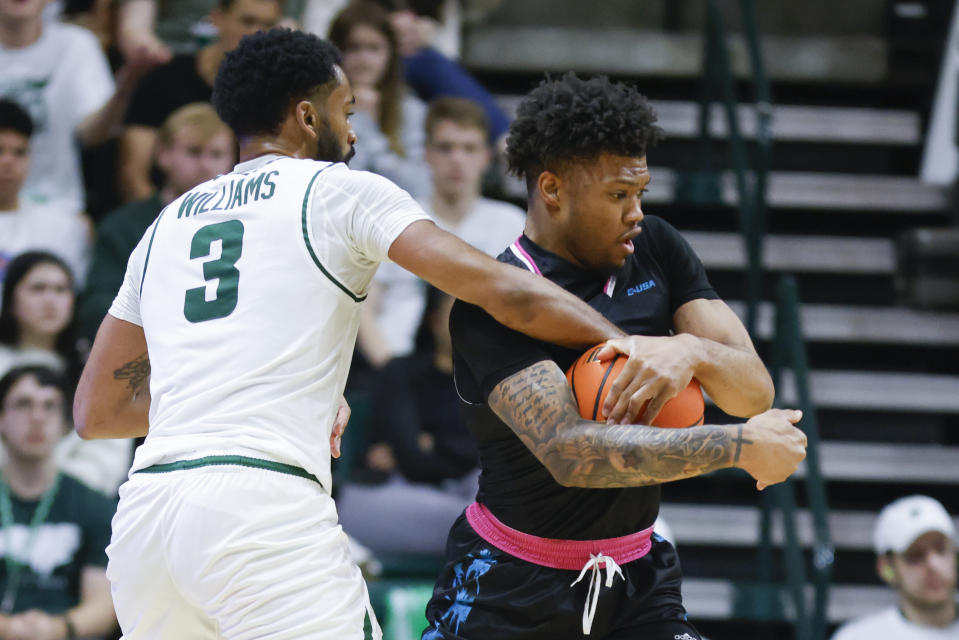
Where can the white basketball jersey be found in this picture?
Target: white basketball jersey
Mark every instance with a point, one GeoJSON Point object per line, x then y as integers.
{"type": "Point", "coordinates": [248, 290]}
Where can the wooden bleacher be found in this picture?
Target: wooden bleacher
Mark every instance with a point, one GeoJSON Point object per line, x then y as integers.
{"type": "Point", "coordinates": [843, 186]}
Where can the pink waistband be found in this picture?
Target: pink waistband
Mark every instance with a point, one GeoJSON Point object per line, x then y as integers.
{"type": "Point", "coordinates": [557, 554]}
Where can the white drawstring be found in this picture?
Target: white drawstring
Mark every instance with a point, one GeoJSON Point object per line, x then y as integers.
{"type": "Point", "coordinates": [595, 580]}
{"type": "Point", "coordinates": [374, 624]}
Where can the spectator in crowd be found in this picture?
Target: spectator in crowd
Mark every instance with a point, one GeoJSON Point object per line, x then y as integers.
{"type": "Point", "coordinates": [440, 23]}
{"type": "Point", "coordinates": [59, 74]}
{"type": "Point", "coordinates": [56, 529]}
{"type": "Point", "coordinates": [915, 542]}
{"type": "Point", "coordinates": [25, 224]}
{"type": "Point", "coordinates": [388, 120]}
{"type": "Point", "coordinates": [36, 320]}
{"type": "Point", "coordinates": [458, 153]}
{"type": "Point", "coordinates": [37, 328]}
{"type": "Point", "coordinates": [427, 35]}
{"type": "Point", "coordinates": [437, 24]}
{"type": "Point", "coordinates": [433, 74]}
{"type": "Point", "coordinates": [95, 15]}
{"type": "Point", "coordinates": [185, 79]}
{"type": "Point", "coordinates": [420, 470]}
{"type": "Point", "coordinates": [194, 146]}
{"type": "Point", "coordinates": [155, 30]}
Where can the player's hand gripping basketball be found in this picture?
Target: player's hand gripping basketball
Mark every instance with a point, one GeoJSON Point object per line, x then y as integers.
{"type": "Point", "coordinates": [657, 368]}
{"type": "Point", "coordinates": [771, 448]}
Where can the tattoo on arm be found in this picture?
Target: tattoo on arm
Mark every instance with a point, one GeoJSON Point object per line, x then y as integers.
{"type": "Point", "coordinates": [538, 405]}
{"type": "Point", "coordinates": [740, 441]}
{"type": "Point", "coordinates": [135, 372]}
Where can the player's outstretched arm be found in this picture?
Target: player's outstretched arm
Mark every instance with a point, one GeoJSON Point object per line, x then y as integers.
{"type": "Point", "coordinates": [516, 298]}
{"type": "Point", "coordinates": [712, 345]}
{"type": "Point", "coordinates": [538, 405]}
{"type": "Point", "coordinates": [113, 395]}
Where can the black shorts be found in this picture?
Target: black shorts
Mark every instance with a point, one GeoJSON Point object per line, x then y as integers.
{"type": "Point", "coordinates": [484, 593]}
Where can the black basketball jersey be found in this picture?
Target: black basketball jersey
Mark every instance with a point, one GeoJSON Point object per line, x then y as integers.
{"type": "Point", "coordinates": [662, 274]}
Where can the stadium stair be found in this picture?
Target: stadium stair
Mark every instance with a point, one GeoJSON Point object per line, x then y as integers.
{"type": "Point", "coordinates": [852, 90]}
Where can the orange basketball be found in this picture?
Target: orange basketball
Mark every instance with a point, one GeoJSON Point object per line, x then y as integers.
{"type": "Point", "coordinates": [591, 379]}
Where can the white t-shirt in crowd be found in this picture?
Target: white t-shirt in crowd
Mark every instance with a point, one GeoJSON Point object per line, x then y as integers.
{"type": "Point", "coordinates": [890, 624]}
{"type": "Point", "coordinates": [60, 79]}
{"type": "Point", "coordinates": [248, 289]}
{"type": "Point", "coordinates": [37, 227]}
{"type": "Point", "coordinates": [490, 226]}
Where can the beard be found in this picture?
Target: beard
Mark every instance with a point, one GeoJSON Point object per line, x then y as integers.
{"type": "Point", "coordinates": [329, 148]}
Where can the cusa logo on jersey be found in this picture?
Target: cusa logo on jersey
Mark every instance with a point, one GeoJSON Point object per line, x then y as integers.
{"type": "Point", "coordinates": [645, 286]}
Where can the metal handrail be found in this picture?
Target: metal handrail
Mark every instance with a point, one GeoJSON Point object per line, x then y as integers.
{"type": "Point", "coordinates": [789, 353]}
{"type": "Point", "coordinates": [789, 350]}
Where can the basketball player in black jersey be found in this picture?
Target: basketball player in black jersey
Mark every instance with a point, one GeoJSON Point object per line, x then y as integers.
{"type": "Point", "coordinates": [560, 543]}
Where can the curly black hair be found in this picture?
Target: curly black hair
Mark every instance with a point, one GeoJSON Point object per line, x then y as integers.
{"type": "Point", "coordinates": [13, 117]}
{"type": "Point", "coordinates": [268, 71]}
{"type": "Point", "coordinates": [572, 119]}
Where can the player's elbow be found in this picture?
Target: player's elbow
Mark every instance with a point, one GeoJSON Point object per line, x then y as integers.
{"type": "Point", "coordinates": [573, 463]}
{"type": "Point", "coordinates": [564, 475]}
{"type": "Point", "coordinates": [558, 465]}
{"type": "Point", "coordinates": [84, 429]}
{"type": "Point", "coordinates": [82, 422]}
{"type": "Point", "coordinates": [763, 392]}
{"type": "Point", "coordinates": [753, 395]}
{"type": "Point", "coordinates": [88, 424]}
{"type": "Point", "coordinates": [754, 399]}
{"type": "Point", "coordinates": [765, 395]}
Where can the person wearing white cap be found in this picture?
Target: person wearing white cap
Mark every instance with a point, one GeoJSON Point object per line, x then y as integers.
{"type": "Point", "coordinates": [915, 542]}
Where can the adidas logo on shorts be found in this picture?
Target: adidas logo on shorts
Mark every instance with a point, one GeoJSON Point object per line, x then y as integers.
{"type": "Point", "coordinates": [685, 636]}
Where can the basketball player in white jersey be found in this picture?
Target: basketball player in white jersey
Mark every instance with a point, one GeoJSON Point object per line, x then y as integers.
{"type": "Point", "coordinates": [231, 338]}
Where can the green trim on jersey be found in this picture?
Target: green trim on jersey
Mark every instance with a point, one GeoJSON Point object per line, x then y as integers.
{"type": "Point", "coordinates": [241, 461]}
{"type": "Point", "coordinates": [146, 261]}
{"type": "Point", "coordinates": [309, 246]}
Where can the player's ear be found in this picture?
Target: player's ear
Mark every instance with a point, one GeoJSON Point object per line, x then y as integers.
{"type": "Point", "coordinates": [548, 186]}
{"type": "Point", "coordinates": [306, 117]}
{"type": "Point", "coordinates": [885, 569]}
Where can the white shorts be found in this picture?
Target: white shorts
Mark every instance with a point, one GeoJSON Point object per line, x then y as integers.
{"type": "Point", "coordinates": [232, 552]}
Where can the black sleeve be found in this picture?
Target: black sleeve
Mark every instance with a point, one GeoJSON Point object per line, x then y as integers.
{"type": "Point", "coordinates": [684, 270]}
{"type": "Point", "coordinates": [485, 352]}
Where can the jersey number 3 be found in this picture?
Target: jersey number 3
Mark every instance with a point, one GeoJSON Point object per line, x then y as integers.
{"type": "Point", "coordinates": [196, 307]}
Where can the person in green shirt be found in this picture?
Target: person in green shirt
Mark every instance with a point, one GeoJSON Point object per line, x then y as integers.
{"type": "Point", "coordinates": [194, 146]}
{"type": "Point", "coordinates": [53, 529]}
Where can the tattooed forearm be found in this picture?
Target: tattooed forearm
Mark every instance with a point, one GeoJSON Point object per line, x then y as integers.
{"type": "Point", "coordinates": [740, 441]}
{"type": "Point", "coordinates": [640, 455]}
{"type": "Point", "coordinates": [538, 405]}
{"type": "Point", "coordinates": [135, 372]}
